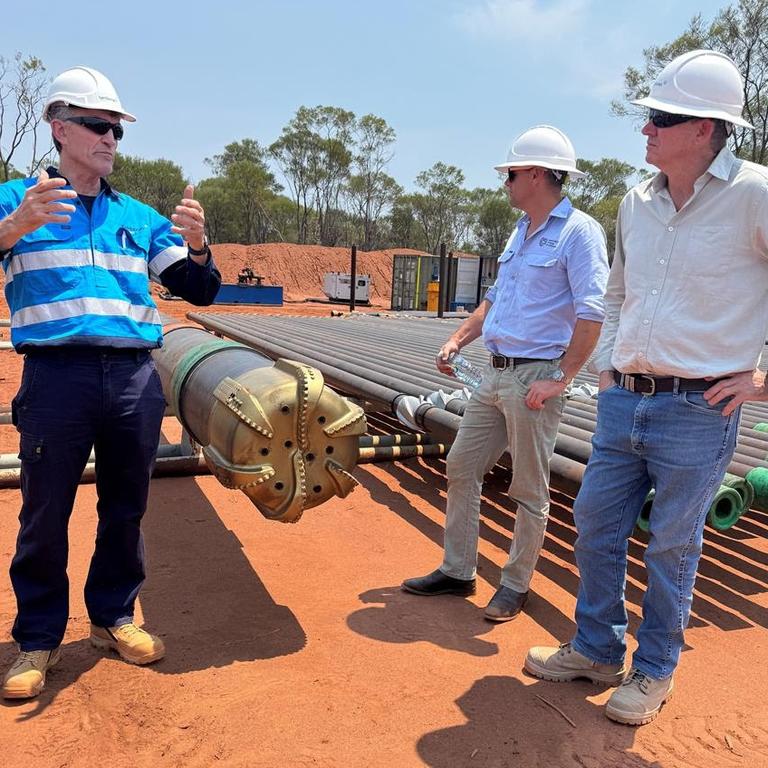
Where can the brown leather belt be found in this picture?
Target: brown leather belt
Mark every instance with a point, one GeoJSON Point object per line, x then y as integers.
{"type": "Point", "coordinates": [499, 361]}
{"type": "Point", "coordinates": [644, 384]}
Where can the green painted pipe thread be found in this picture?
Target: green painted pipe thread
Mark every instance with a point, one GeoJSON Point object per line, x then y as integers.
{"type": "Point", "coordinates": [743, 487]}
{"type": "Point", "coordinates": [728, 505]}
{"type": "Point", "coordinates": [644, 518]}
{"type": "Point", "coordinates": [761, 427]}
{"type": "Point", "coordinates": [726, 508]}
{"type": "Point", "coordinates": [758, 479]}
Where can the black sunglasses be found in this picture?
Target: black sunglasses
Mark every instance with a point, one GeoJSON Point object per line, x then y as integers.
{"type": "Point", "coordinates": [98, 125]}
{"type": "Point", "coordinates": [667, 119]}
{"type": "Point", "coordinates": [511, 173]}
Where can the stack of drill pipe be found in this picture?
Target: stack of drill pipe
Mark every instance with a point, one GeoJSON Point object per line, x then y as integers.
{"type": "Point", "coordinates": [378, 359]}
{"type": "Point", "coordinates": [276, 338]}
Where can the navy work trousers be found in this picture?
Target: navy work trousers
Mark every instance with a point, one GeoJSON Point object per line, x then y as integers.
{"type": "Point", "coordinates": [70, 401]}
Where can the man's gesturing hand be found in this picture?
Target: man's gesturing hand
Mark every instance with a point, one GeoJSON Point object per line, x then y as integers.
{"type": "Point", "coordinates": [189, 220]}
{"type": "Point", "coordinates": [42, 204]}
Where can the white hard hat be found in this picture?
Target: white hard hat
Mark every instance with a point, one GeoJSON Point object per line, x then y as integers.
{"type": "Point", "coordinates": [699, 83]}
{"type": "Point", "coordinates": [544, 146]}
{"type": "Point", "coordinates": [87, 88]}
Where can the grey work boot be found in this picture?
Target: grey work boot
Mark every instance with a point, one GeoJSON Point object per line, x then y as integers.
{"type": "Point", "coordinates": [638, 699]}
{"type": "Point", "coordinates": [26, 677]}
{"type": "Point", "coordinates": [563, 664]}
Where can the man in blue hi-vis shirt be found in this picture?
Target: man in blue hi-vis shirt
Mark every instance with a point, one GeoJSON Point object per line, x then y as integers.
{"type": "Point", "coordinates": [78, 257]}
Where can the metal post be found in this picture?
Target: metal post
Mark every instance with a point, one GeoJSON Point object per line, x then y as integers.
{"type": "Point", "coordinates": [480, 261]}
{"type": "Point", "coordinates": [443, 281]}
{"type": "Point", "coordinates": [353, 278]}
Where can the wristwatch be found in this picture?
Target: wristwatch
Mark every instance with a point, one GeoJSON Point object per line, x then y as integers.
{"type": "Point", "coordinates": [200, 252]}
{"type": "Point", "coordinates": [558, 375]}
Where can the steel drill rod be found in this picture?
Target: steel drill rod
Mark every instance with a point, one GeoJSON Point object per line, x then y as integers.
{"type": "Point", "coordinates": [402, 438]}
{"type": "Point", "coordinates": [398, 452]}
{"type": "Point", "coordinates": [413, 368]}
{"type": "Point", "coordinates": [171, 466]}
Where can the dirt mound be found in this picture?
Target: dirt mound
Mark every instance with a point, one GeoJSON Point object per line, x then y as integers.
{"type": "Point", "coordinates": [300, 268]}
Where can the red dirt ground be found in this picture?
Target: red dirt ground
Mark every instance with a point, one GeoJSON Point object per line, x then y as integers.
{"type": "Point", "coordinates": [293, 645]}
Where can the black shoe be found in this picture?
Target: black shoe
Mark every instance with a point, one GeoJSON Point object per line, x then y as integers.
{"type": "Point", "coordinates": [437, 583]}
{"type": "Point", "coordinates": [505, 604]}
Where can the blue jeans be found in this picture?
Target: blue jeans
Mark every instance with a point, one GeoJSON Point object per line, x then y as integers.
{"type": "Point", "coordinates": [681, 446]}
{"type": "Point", "coordinates": [72, 400]}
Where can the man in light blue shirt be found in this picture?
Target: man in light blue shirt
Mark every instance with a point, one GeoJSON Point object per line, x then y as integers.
{"type": "Point", "coordinates": [540, 322]}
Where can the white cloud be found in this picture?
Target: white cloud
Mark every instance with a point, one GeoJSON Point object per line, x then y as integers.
{"type": "Point", "coordinates": [532, 20]}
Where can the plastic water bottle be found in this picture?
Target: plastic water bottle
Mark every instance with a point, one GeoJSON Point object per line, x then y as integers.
{"type": "Point", "coordinates": [468, 374]}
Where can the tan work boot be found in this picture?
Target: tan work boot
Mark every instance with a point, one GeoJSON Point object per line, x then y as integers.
{"type": "Point", "coordinates": [639, 698]}
{"type": "Point", "coordinates": [26, 677]}
{"type": "Point", "coordinates": [563, 664]}
{"type": "Point", "coordinates": [134, 644]}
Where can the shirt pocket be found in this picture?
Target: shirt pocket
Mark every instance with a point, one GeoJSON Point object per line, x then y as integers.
{"type": "Point", "coordinates": [710, 249]}
{"type": "Point", "coordinates": [542, 276]}
{"type": "Point", "coordinates": [134, 241]}
{"type": "Point", "coordinates": [126, 271]}
{"type": "Point", "coordinates": [716, 263]}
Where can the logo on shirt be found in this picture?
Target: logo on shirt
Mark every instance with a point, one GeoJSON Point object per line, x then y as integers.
{"type": "Point", "coordinates": [545, 241]}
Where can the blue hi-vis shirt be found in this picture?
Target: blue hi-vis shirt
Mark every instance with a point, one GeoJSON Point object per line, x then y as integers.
{"type": "Point", "coordinates": [545, 283]}
{"type": "Point", "coordinates": [87, 282]}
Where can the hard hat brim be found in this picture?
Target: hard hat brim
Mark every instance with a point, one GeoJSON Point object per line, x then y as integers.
{"type": "Point", "coordinates": [127, 116]}
{"type": "Point", "coordinates": [679, 109]}
{"type": "Point", "coordinates": [574, 173]}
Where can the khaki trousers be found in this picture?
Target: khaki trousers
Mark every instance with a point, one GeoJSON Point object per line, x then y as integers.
{"type": "Point", "coordinates": [497, 419]}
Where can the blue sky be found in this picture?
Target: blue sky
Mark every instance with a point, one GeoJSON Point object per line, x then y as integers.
{"type": "Point", "coordinates": [456, 79]}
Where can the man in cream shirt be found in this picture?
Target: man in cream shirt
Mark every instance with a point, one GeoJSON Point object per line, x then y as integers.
{"type": "Point", "coordinates": [686, 320]}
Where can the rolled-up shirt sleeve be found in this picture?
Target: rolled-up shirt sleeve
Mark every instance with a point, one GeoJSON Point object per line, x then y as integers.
{"type": "Point", "coordinates": [587, 267]}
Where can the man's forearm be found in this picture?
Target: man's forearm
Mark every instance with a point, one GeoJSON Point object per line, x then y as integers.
{"type": "Point", "coordinates": [9, 233]}
{"type": "Point", "coordinates": [583, 340]}
{"type": "Point", "coordinates": [472, 327]}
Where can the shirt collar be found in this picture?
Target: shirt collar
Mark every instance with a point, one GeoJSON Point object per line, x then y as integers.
{"type": "Point", "coordinates": [561, 211]}
{"type": "Point", "coordinates": [720, 167]}
{"type": "Point", "coordinates": [53, 173]}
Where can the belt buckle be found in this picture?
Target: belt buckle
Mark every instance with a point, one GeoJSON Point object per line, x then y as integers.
{"type": "Point", "coordinates": [653, 385]}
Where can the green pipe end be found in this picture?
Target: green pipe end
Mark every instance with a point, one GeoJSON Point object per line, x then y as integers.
{"type": "Point", "coordinates": [644, 518]}
{"type": "Point", "coordinates": [758, 479]}
{"type": "Point", "coordinates": [726, 508]}
{"type": "Point", "coordinates": [743, 487]}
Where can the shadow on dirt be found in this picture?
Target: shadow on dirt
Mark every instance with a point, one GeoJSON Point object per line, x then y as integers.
{"type": "Point", "coordinates": [202, 594]}
{"type": "Point", "coordinates": [730, 572]}
{"type": "Point", "coordinates": [428, 486]}
{"type": "Point", "coordinates": [510, 726]}
{"type": "Point", "coordinates": [447, 621]}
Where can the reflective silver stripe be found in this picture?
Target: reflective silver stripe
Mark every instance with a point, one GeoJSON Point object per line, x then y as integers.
{"type": "Point", "coordinates": [34, 260]}
{"type": "Point", "coordinates": [165, 258]}
{"type": "Point", "coordinates": [63, 310]}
